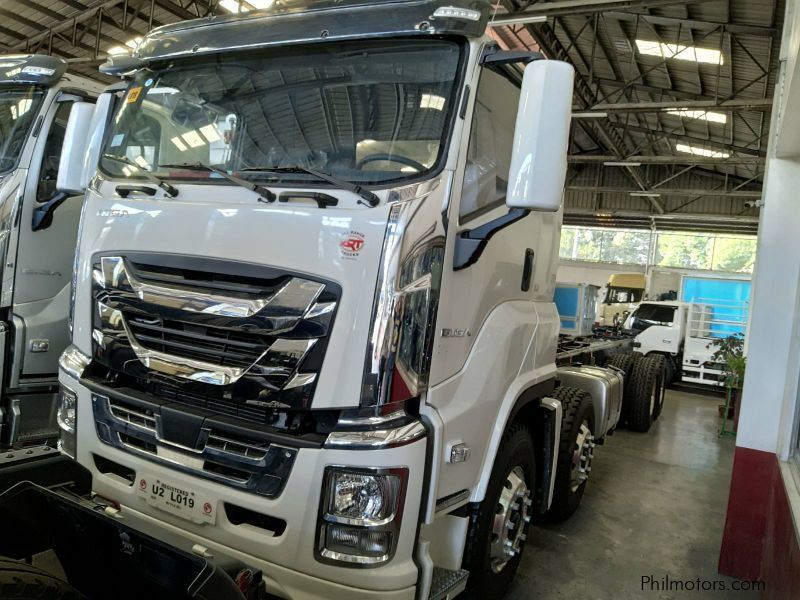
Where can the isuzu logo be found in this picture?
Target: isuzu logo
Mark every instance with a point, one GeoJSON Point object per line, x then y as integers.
{"type": "Point", "coordinates": [351, 244]}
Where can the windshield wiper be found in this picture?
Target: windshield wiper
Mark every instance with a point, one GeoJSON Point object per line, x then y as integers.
{"type": "Point", "coordinates": [170, 190]}
{"type": "Point", "coordinates": [266, 194]}
{"type": "Point", "coordinates": [371, 199]}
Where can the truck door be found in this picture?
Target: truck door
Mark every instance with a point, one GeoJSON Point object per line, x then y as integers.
{"type": "Point", "coordinates": [44, 259]}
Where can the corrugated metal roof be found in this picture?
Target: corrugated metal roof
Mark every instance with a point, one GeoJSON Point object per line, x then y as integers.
{"type": "Point", "coordinates": [601, 44]}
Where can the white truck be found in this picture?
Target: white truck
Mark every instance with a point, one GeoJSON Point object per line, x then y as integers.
{"type": "Point", "coordinates": [314, 344]}
{"type": "Point", "coordinates": [39, 214]}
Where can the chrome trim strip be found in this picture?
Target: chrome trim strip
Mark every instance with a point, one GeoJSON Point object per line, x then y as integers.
{"type": "Point", "coordinates": [554, 405]}
{"type": "Point", "coordinates": [73, 362]}
{"type": "Point", "coordinates": [372, 420]}
{"type": "Point", "coordinates": [289, 303]}
{"type": "Point", "coordinates": [300, 380]}
{"type": "Point", "coordinates": [376, 439]}
{"type": "Point", "coordinates": [450, 502]}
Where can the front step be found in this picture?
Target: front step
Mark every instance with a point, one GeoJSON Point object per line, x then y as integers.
{"type": "Point", "coordinates": [447, 584]}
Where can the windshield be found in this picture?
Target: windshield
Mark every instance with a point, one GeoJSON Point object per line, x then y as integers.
{"type": "Point", "coordinates": [648, 315]}
{"type": "Point", "coordinates": [365, 111]}
{"type": "Point", "coordinates": [619, 295]}
{"type": "Point", "coordinates": [19, 106]}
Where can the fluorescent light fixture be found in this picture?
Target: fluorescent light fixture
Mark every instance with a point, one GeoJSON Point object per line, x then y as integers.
{"type": "Point", "coordinates": [621, 163]}
{"type": "Point", "coordinates": [503, 20]}
{"type": "Point", "coordinates": [235, 6]}
{"type": "Point", "coordinates": [20, 108]}
{"type": "Point", "coordinates": [211, 133]}
{"type": "Point", "coordinates": [589, 115]}
{"type": "Point", "coordinates": [698, 151]}
{"type": "Point", "coordinates": [645, 194]}
{"type": "Point", "coordinates": [431, 101]}
{"type": "Point", "coordinates": [679, 52]}
{"type": "Point", "coordinates": [179, 143]}
{"type": "Point", "coordinates": [193, 139]}
{"type": "Point", "coordinates": [453, 12]}
{"type": "Point", "coordinates": [704, 115]}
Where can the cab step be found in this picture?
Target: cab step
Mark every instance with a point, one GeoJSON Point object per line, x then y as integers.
{"type": "Point", "coordinates": [447, 584]}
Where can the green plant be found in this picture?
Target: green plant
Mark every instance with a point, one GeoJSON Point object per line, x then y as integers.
{"type": "Point", "coordinates": [730, 352]}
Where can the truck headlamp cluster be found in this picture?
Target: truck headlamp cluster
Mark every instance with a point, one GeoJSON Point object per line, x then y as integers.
{"type": "Point", "coordinates": [67, 418]}
{"type": "Point", "coordinates": [361, 514]}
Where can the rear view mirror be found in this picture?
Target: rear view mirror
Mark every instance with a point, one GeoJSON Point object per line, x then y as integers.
{"type": "Point", "coordinates": [97, 129]}
{"type": "Point", "coordinates": [192, 115]}
{"type": "Point", "coordinates": [76, 137]}
{"type": "Point", "coordinates": [541, 137]}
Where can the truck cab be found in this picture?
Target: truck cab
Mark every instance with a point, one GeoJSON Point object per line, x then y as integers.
{"type": "Point", "coordinates": [314, 338]}
{"type": "Point", "coordinates": [39, 218]}
{"type": "Point", "coordinates": [623, 293]}
{"type": "Point", "coordinates": [661, 328]}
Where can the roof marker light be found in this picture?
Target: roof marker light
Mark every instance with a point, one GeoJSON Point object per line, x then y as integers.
{"type": "Point", "coordinates": [453, 12]}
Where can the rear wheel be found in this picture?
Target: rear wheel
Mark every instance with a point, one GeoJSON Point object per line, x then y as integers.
{"type": "Point", "coordinates": [644, 393]}
{"type": "Point", "coordinates": [499, 528]}
{"type": "Point", "coordinates": [662, 373]}
{"type": "Point", "coordinates": [20, 581]}
{"type": "Point", "coordinates": [575, 452]}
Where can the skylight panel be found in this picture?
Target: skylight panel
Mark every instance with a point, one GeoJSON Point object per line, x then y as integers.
{"type": "Point", "coordinates": [703, 115]}
{"type": "Point", "coordinates": [680, 52]}
{"type": "Point", "coordinates": [698, 151]}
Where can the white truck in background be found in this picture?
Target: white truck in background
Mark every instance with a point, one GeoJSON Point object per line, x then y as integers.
{"type": "Point", "coordinates": [39, 214]}
{"type": "Point", "coordinates": [314, 346]}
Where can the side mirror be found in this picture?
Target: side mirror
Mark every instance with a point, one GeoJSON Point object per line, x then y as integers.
{"type": "Point", "coordinates": [97, 130]}
{"type": "Point", "coordinates": [76, 137]}
{"type": "Point", "coordinates": [541, 137]}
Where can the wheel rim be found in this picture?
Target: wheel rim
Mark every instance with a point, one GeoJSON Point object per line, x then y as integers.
{"type": "Point", "coordinates": [582, 455]}
{"type": "Point", "coordinates": [512, 516]}
{"type": "Point", "coordinates": [654, 399]}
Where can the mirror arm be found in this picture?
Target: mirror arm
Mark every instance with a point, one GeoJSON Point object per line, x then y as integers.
{"type": "Point", "coordinates": [471, 243]}
{"type": "Point", "coordinates": [43, 215]}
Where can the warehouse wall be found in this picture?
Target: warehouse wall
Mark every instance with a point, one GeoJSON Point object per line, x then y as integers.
{"type": "Point", "coordinates": [761, 529]}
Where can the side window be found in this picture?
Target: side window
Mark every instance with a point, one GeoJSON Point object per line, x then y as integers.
{"type": "Point", "coordinates": [490, 143]}
{"type": "Point", "coordinates": [48, 174]}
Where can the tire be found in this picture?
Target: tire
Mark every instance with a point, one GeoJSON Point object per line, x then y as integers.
{"type": "Point", "coordinates": [669, 374]}
{"type": "Point", "coordinates": [644, 393]}
{"type": "Point", "coordinates": [491, 571]}
{"type": "Point", "coordinates": [20, 581]}
{"type": "Point", "coordinates": [662, 368]}
{"type": "Point", "coordinates": [622, 361]}
{"type": "Point", "coordinates": [575, 453]}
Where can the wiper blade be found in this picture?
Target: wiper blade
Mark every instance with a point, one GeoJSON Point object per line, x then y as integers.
{"type": "Point", "coordinates": [371, 199]}
{"type": "Point", "coordinates": [170, 190]}
{"type": "Point", "coordinates": [266, 194]}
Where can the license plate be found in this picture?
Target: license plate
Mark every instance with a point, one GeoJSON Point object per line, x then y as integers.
{"type": "Point", "coordinates": [178, 500]}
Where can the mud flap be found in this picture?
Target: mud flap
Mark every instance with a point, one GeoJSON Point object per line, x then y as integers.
{"type": "Point", "coordinates": [105, 558]}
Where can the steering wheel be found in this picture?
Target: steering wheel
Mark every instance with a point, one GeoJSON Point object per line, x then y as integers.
{"type": "Point", "coordinates": [403, 160]}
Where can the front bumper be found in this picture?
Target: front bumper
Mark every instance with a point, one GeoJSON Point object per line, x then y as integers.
{"type": "Point", "coordinates": [287, 559]}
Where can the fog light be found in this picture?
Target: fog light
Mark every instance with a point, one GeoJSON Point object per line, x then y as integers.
{"type": "Point", "coordinates": [355, 544]}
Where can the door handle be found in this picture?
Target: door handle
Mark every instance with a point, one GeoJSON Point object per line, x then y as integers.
{"type": "Point", "coordinates": [527, 270]}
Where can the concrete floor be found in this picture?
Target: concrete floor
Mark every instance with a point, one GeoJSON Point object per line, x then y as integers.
{"type": "Point", "coordinates": [655, 505]}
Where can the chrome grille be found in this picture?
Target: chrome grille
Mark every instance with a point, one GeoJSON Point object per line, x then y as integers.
{"type": "Point", "coordinates": [256, 451]}
{"type": "Point", "coordinates": [228, 330]}
{"type": "Point", "coordinates": [134, 417]}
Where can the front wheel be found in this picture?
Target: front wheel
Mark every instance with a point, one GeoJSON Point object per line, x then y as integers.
{"type": "Point", "coordinates": [499, 528]}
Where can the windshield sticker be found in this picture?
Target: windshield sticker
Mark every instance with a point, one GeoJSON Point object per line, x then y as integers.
{"type": "Point", "coordinates": [134, 94]}
{"type": "Point", "coordinates": [117, 140]}
{"type": "Point", "coordinates": [351, 244]}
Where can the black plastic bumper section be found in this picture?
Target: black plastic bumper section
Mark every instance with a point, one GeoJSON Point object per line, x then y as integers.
{"type": "Point", "coordinates": [103, 556]}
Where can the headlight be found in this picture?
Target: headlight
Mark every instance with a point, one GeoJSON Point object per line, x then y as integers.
{"type": "Point", "coordinates": [67, 417]}
{"type": "Point", "coordinates": [360, 498]}
{"type": "Point", "coordinates": [360, 514]}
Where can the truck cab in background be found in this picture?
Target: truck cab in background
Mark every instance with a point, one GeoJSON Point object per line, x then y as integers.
{"type": "Point", "coordinates": [622, 295]}
{"type": "Point", "coordinates": [39, 216]}
{"type": "Point", "coordinates": [661, 329]}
